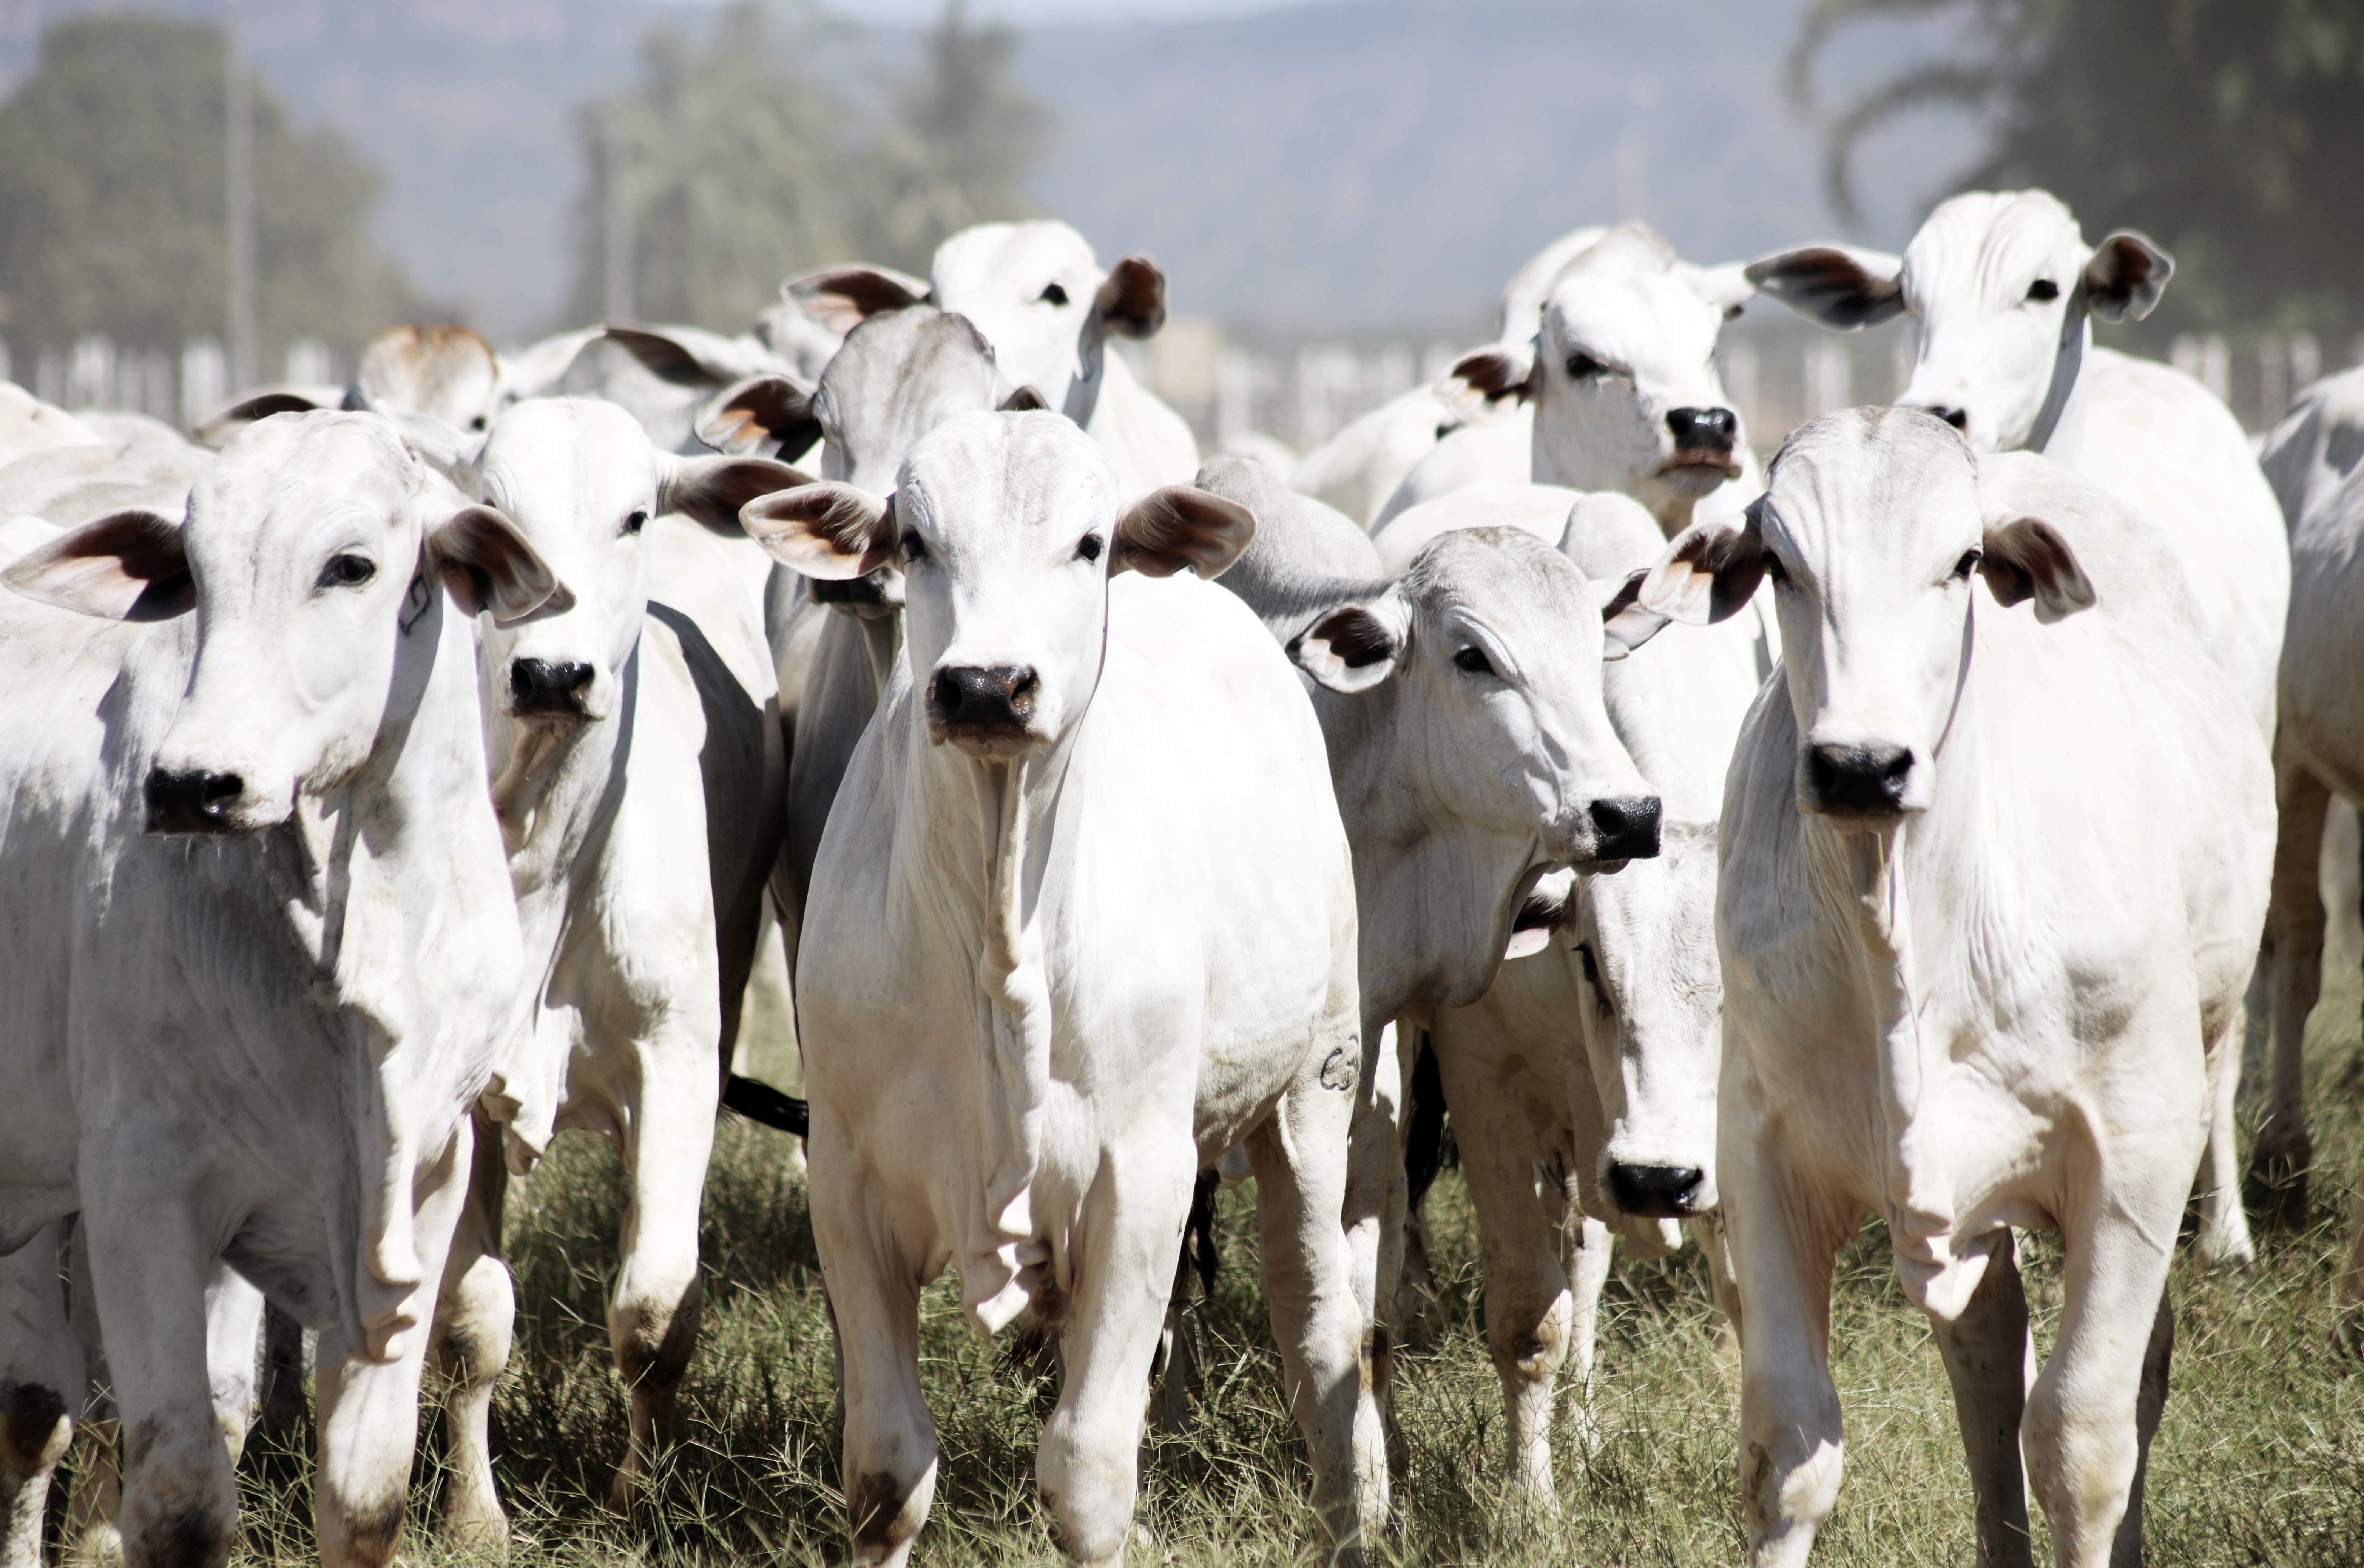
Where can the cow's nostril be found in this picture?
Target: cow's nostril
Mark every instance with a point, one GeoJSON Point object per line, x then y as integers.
{"type": "Point", "coordinates": [1656, 1191]}
{"type": "Point", "coordinates": [1712, 428]}
{"type": "Point", "coordinates": [1626, 828]}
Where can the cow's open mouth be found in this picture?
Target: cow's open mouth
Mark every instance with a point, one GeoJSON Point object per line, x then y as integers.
{"type": "Point", "coordinates": [1697, 460]}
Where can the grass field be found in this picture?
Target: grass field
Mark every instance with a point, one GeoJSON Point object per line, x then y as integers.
{"type": "Point", "coordinates": [2260, 1461]}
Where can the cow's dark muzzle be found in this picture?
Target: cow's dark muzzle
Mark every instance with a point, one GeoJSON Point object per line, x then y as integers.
{"type": "Point", "coordinates": [982, 701]}
{"type": "Point", "coordinates": [549, 686]}
{"type": "Point", "coordinates": [191, 802]}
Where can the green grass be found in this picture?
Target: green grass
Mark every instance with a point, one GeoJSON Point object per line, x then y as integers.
{"type": "Point", "coordinates": [2260, 1461]}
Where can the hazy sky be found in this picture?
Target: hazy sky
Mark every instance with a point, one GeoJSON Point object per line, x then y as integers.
{"type": "Point", "coordinates": [1033, 11]}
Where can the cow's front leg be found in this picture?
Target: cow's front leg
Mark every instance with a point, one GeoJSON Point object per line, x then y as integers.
{"type": "Point", "coordinates": [1089, 1464]}
{"type": "Point", "coordinates": [2098, 1401]}
{"type": "Point", "coordinates": [1784, 1237]}
{"type": "Point", "coordinates": [653, 1316]}
{"type": "Point", "coordinates": [1986, 1351]}
{"type": "Point", "coordinates": [1374, 1197]}
{"type": "Point", "coordinates": [149, 1273]}
{"type": "Point", "coordinates": [1521, 1230]}
{"type": "Point", "coordinates": [889, 1460]}
{"type": "Point", "coordinates": [1310, 1289]}
{"type": "Point", "coordinates": [474, 1322]}
{"type": "Point", "coordinates": [40, 1391]}
{"type": "Point", "coordinates": [369, 1410]}
{"type": "Point", "coordinates": [2279, 1160]}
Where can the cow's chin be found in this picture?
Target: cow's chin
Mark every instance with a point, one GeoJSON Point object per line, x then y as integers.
{"type": "Point", "coordinates": [551, 721]}
{"type": "Point", "coordinates": [986, 745]}
{"type": "Point", "coordinates": [1695, 474]}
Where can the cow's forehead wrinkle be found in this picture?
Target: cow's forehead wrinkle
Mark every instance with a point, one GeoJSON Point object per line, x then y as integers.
{"type": "Point", "coordinates": [312, 474]}
{"type": "Point", "coordinates": [1871, 484]}
{"type": "Point", "coordinates": [1005, 473]}
{"type": "Point", "coordinates": [567, 461]}
{"type": "Point", "coordinates": [1984, 245]}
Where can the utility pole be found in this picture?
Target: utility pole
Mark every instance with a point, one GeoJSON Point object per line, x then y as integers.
{"type": "Point", "coordinates": [618, 215]}
{"type": "Point", "coordinates": [240, 184]}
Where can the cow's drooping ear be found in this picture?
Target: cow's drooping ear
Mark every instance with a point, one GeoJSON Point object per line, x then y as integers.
{"type": "Point", "coordinates": [712, 489]}
{"type": "Point", "coordinates": [2027, 559]}
{"type": "Point", "coordinates": [1356, 646]}
{"type": "Point", "coordinates": [1708, 571]}
{"type": "Point", "coordinates": [125, 566]}
{"type": "Point", "coordinates": [671, 357]}
{"type": "Point", "coordinates": [745, 414]}
{"type": "Point", "coordinates": [1179, 525]}
{"type": "Point", "coordinates": [1840, 287]}
{"type": "Point", "coordinates": [450, 451]}
{"type": "Point", "coordinates": [222, 424]}
{"type": "Point", "coordinates": [828, 530]}
{"type": "Point", "coordinates": [1132, 299]}
{"type": "Point", "coordinates": [1023, 400]}
{"type": "Point", "coordinates": [487, 564]}
{"type": "Point", "coordinates": [1626, 622]}
{"type": "Point", "coordinates": [1486, 379]}
{"type": "Point", "coordinates": [842, 298]}
{"type": "Point", "coordinates": [2126, 276]}
{"type": "Point", "coordinates": [1725, 286]}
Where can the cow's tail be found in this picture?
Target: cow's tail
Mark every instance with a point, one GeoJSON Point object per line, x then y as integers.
{"type": "Point", "coordinates": [760, 1102]}
{"type": "Point", "coordinates": [1428, 1142]}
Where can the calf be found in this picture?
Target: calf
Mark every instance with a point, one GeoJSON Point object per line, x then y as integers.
{"type": "Point", "coordinates": [639, 782]}
{"type": "Point", "coordinates": [1002, 1079]}
{"type": "Point", "coordinates": [275, 944]}
{"type": "Point", "coordinates": [2006, 289]}
{"type": "Point", "coordinates": [1991, 880]}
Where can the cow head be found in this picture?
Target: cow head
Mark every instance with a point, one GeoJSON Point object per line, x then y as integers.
{"type": "Point", "coordinates": [1039, 298]}
{"type": "Point", "coordinates": [1005, 528]}
{"type": "Point", "coordinates": [1871, 530]}
{"type": "Point", "coordinates": [1624, 379]}
{"type": "Point", "coordinates": [448, 371]}
{"type": "Point", "coordinates": [1652, 1021]}
{"type": "Point", "coordinates": [2005, 287]}
{"type": "Point", "coordinates": [312, 554]}
{"type": "Point", "coordinates": [578, 479]}
{"type": "Point", "coordinates": [1491, 646]}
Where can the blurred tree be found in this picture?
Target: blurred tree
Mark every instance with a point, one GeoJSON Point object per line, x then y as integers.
{"type": "Point", "coordinates": [734, 172]}
{"type": "Point", "coordinates": [736, 165]}
{"type": "Point", "coordinates": [957, 142]}
{"type": "Point", "coordinates": [111, 205]}
{"type": "Point", "coordinates": [2231, 131]}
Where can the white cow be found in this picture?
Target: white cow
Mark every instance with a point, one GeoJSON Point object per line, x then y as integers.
{"type": "Point", "coordinates": [1001, 1078]}
{"type": "Point", "coordinates": [1355, 471]}
{"type": "Point", "coordinates": [446, 372]}
{"type": "Point", "coordinates": [2006, 291]}
{"type": "Point", "coordinates": [637, 774]}
{"type": "Point", "coordinates": [28, 425]}
{"type": "Point", "coordinates": [2316, 456]}
{"type": "Point", "coordinates": [250, 1033]}
{"type": "Point", "coordinates": [1043, 301]}
{"type": "Point", "coordinates": [1622, 379]}
{"type": "Point", "coordinates": [1991, 882]}
{"type": "Point", "coordinates": [1461, 703]}
{"type": "Point", "coordinates": [1593, 1062]}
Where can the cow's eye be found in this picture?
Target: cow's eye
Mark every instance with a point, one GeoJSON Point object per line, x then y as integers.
{"type": "Point", "coordinates": [2044, 288]}
{"type": "Point", "coordinates": [1054, 294]}
{"type": "Point", "coordinates": [1089, 548]}
{"type": "Point", "coordinates": [347, 571]}
{"type": "Point", "coordinates": [1473, 662]}
{"type": "Point", "coordinates": [1964, 567]}
{"type": "Point", "coordinates": [915, 548]}
{"type": "Point", "coordinates": [1591, 970]}
{"type": "Point", "coordinates": [636, 521]}
{"type": "Point", "coordinates": [477, 423]}
{"type": "Point", "coordinates": [1580, 366]}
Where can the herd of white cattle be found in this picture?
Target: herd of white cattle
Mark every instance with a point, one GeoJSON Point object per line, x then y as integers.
{"type": "Point", "coordinates": [1890, 831]}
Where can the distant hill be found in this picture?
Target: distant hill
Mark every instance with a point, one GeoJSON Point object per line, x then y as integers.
{"type": "Point", "coordinates": [1356, 166]}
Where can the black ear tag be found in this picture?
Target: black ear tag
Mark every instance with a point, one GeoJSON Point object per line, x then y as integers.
{"type": "Point", "coordinates": [415, 601]}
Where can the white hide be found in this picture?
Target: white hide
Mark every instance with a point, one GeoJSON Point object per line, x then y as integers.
{"type": "Point", "coordinates": [257, 1042]}
{"type": "Point", "coordinates": [1959, 993]}
{"type": "Point", "coordinates": [1001, 1078]}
